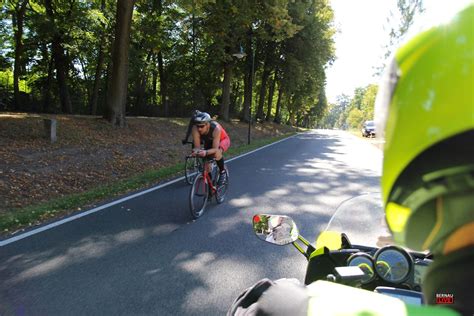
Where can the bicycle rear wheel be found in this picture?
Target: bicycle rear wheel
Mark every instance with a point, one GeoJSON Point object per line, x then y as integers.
{"type": "Point", "coordinates": [191, 167]}
{"type": "Point", "coordinates": [198, 196]}
{"type": "Point", "coordinates": [222, 189]}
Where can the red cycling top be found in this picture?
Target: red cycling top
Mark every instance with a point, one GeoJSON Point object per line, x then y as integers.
{"type": "Point", "coordinates": [208, 138]}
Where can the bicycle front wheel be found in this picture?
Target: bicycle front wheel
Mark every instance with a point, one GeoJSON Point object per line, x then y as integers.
{"type": "Point", "coordinates": [198, 196]}
{"type": "Point", "coordinates": [191, 168]}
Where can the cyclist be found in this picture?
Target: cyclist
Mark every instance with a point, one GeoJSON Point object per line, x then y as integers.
{"type": "Point", "coordinates": [215, 140]}
{"type": "Point", "coordinates": [280, 231]}
{"type": "Point", "coordinates": [425, 109]}
{"type": "Point", "coordinates": [190, 127]}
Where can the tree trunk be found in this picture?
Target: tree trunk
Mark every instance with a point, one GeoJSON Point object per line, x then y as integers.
{"type": "Point", "coordinates": [61, 75]}
{"type": "Point", "coordinates": [292, 118]}
{"type": "Point", "coordinates": [270, 98]}
{"type": "Point", "coordinates": [59, 62]}
{"type": "Point", "coordinates": [235, 101]}
{"type": "Point", "coordinates": [263, 90]}
{"type": "Point", "coordinates": [108, 84]}
{"type": "Point", "coordinates": [158, 4]}
{"type": "Point", "coordinates": [17, 22]}
{"type": "Point", "coordinates": [98, 70]}
{"type": "Point", "coordinates": [141, 97]}
{"type": "Point", "coordinates": [299, 119]}
{"type": "Point", "coordinates": [248, 84]}
{"type": "Point", "coordinates": [155, 80]}
{"type": "Point", "coordinates": [224, 111]}
{"type": "Point", "coordinates": [278, 106]}
{"type": "Point", "coordinates": [117, 98]}
{"type": "Point", "coordinates": [49, 78]}
{"type": "Point", "coordinates": [163, 87]}
{"type": "Point", "coordinates": [95, 90]}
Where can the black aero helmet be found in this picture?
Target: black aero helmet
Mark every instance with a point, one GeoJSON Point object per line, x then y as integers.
{"type": "Point", "coordinates": [202, 117]}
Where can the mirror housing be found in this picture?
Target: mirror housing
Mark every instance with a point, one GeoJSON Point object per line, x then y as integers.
{"type": "Point", "coordinates": [275, 229]}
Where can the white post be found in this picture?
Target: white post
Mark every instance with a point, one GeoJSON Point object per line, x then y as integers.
{"type": "Point", "coordinates": [50, 129]}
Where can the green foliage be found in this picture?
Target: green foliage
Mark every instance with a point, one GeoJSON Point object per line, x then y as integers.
{"type": "Point", "coordinates": [368, 101]}
{"type": "Point", "coordinates": [306, 55]}
{"type": "Point", "coordinates": [351, 112]}
{"type": "Point", "coordinates": [6, 78]}
{"type": "Point", "coordinates": [195, 39]}
{"type": "Point", "coordinates": [342, 108]}
{"type": "Point", "coordinates": [355, 118]}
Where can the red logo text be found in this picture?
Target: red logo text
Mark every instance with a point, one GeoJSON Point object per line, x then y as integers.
{"type": "Point", "coordinates": [444, 299]}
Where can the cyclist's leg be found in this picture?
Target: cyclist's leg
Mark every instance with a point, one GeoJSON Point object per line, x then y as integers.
{"type": "Point", "coordinates": [219, 159]}
{"type": "Point", "coordinates": [223, 146]}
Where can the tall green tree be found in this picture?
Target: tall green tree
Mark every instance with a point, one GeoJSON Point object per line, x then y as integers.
{"type": "Point", "coordinates": [117, 98]}
{"type": "Point", "coordinates": [368, 102]}
{"type": "Point", "coordinates": [102, 49]}
{"type": "Point", "coordinates": [17, 9]}
{"type": "Point", "coordinates": [306, 55]}
{"type": "Point", "coordinates": [88, 57]}
{"type": "Point", "coordinates": [352, 111]}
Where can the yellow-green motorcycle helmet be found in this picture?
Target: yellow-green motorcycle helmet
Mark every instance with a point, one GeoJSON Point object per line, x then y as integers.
{"type": "Point", "coordinates": [425, 114]}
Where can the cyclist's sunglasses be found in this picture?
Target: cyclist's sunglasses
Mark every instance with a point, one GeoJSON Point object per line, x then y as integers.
{"type": "Point", "coordinates": [200, 126]}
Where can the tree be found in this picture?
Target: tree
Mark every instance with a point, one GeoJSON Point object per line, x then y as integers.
{"type": "Point", "coordinates": [254, 25]}
{"type": "Point", "coordinates": [226, 23]}
{"type": "Point", "coordinates": [343, 102]}
{"type": "Point", "coordinates": [306, 55]}
{"type": "Point", "coordinates": [59, 57]}
{"type": "Point", "coordinates": [100, 62]}
{"type": "Point", "coordinates": [117, 98]}
{"type": "Point", "coordinates": [407, 10]}
{"type": "Point", "coordinates": [355, 118]}
{"type": "Point", "coordinates": [351, 112]}
{"type": "Point", "coordinates": [179, 58]}
{"type": "Point", "coordinates": [271, 91]}
{"type": "Point", "coordinates": [18, 10]}
{"type": "Point", "coordinates": [368, 102]}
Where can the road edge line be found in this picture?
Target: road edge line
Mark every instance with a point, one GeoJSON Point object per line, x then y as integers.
{"type": "Point", "coordinates": [49, 226]}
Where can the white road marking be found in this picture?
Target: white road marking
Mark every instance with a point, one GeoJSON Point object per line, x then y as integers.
{"type": "Point", "coordinates": [94, 210]}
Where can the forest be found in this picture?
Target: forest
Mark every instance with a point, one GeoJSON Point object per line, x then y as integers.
{"type": "Point", "coordinates": [237, 59]}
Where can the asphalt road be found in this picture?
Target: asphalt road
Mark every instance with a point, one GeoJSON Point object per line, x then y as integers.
{"type": "Point", "coordinates": [146, 256]}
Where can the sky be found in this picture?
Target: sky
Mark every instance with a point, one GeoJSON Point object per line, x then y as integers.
{"type": "Point", "coordinates": [362, 34]}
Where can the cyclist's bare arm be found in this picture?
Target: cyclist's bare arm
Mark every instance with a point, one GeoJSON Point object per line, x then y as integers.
{"type": "Point", "coordinates": [215, 142]}
{"type": "Point", "coordinates": [196, 139]}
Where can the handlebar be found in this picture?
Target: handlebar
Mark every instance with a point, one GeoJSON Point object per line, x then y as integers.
{"type": "Point", "coordinates": [207, 158]}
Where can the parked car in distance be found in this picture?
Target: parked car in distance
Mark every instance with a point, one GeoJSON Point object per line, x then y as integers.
{"type": "Point", "coordinates": [368, 130]}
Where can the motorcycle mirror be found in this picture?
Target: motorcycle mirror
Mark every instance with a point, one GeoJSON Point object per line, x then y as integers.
{"type": "Point", "coordinates": [275, 229]}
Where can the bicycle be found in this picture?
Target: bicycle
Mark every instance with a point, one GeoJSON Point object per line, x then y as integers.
{"type": "Point", "coordinates": [204, 187]}
{"type": "Point", "coordinates": [192, 166]}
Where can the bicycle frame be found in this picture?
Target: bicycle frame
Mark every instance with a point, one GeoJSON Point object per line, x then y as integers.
{"type": "Point", "coordinates": [206, 176]}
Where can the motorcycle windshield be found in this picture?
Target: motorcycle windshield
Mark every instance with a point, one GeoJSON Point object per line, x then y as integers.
{"type": "Point", "coordinates": [362, 219]}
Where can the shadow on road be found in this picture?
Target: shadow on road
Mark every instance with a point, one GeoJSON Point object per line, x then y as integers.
{"type": "Point", "coordinates": [146, 256]}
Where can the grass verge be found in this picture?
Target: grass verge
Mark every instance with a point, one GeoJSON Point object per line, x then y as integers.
{"type": "Point", "coordinates": [17, 219]}
{"type": "Point", "coordinates": [355, 132]}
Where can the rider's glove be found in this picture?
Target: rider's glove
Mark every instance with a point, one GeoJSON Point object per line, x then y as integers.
{"type": "Point", "coordinates": [266, 297]}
